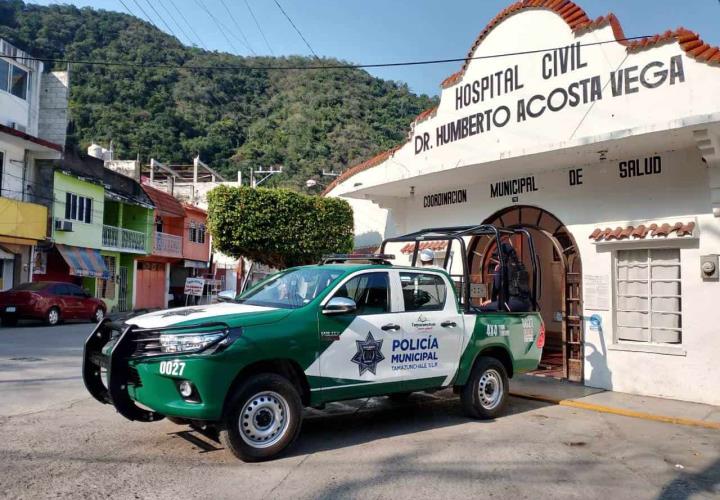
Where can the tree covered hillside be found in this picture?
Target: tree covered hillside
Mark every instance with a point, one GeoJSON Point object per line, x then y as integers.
{"type": "Point", "coordinates": [305, 120]}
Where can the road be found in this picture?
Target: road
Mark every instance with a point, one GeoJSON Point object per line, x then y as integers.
{"type": "Point", "coordinates": [57, 442]}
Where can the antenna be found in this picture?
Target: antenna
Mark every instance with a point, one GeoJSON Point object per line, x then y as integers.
{"type": "Point", "coordinates": [267, 173]}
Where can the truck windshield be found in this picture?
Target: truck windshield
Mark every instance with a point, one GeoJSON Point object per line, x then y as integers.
{"type": "Point", "coordinates": [292, 289]}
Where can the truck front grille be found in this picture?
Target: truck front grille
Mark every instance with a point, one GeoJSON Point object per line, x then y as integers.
{"type": "Point", "coordinates": [134, 377]}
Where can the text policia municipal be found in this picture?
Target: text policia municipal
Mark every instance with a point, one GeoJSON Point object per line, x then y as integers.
{"type": "Point", "coordinates": [624, 81]}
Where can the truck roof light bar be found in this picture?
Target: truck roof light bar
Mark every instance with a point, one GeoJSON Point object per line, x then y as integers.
{"type": "Point", "coordinates": [337, 258]}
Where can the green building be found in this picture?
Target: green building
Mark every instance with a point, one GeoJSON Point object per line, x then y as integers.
{"type": "Point", "coordinates": [101, 221]}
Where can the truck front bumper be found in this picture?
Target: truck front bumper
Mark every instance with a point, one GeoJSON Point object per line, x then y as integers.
{"type": "Point", "coordinates": [117, 370]}
{"type": "Point", "coordinates": [130, 379]}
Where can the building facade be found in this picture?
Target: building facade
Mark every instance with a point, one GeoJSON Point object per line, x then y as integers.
{"type": "Point", "coordinates": [29, 131]}
{"type": "Point", "coordinates": [101, 222]}
{"type": "Point", "coordinates": [609, 152]}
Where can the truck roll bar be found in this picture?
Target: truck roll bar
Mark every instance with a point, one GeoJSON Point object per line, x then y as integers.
{"type": "Point", "coordinates": [457, 233]}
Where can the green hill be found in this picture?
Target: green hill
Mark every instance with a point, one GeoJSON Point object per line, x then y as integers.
{"type": "Point", "coordinates": [306, 121]}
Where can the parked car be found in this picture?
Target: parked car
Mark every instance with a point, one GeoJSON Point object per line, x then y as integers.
{"type": "Point", "coordinates": [49, 301]}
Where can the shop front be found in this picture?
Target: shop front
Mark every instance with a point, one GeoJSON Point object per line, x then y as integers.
{"type": "Point", "coordinates": [608, 151]}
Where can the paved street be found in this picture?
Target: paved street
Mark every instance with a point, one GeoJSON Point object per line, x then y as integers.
{"type": "Point", "coordinates": [57, 442]}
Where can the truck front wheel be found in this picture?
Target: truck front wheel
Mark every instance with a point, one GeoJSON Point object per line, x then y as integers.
{"type": "Point", "coordinates": [485, 394]}
{"type": "Point", "coordinates": [262, 418]}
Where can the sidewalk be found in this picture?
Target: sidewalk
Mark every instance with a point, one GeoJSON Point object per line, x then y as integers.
{"type": "Point", "coordinates": [575, 395]}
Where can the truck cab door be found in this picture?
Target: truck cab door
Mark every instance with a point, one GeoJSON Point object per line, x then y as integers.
{"type": "Point", "coordinates": [433, 331]}
{"type": "Point", "coordinates": [355, 353]}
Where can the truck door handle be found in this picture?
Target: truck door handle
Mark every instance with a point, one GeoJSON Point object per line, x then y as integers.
{"type": "Point", "coordinates": [448, 324]}
{"type": "Point", "coordinates": [390, 326]}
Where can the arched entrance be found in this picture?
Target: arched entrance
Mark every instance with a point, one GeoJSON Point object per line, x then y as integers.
{"type": "Point", "coordinates": [561, 284]}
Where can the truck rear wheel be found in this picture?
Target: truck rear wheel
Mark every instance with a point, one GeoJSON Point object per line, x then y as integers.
{"type": "Point", "coordinates": [262, 418]}
{"type": "Point", "coordinates": [485, 394]}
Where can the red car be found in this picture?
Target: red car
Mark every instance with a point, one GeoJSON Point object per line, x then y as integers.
{"type": "Point", "coordinates": [49, 301]}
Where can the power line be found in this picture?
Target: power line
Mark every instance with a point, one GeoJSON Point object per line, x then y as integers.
{"type": "Point", "coordinates": [313, 67]}
{"type": "Point", "coordinates": [161, 18]}
{"type": "Point", "coordinates": [257, 23]}
{"type": "Point", "coordinates": [179, 26]}
{"type": "Point", "coordinates": [296, 28]}
{"type": "Point", "coordinates": [218, 24]}
{"type": "Point", "coordinates": [127, 8]}
{"type": "Point", "coordinates": [192, 30]}
{"type": "Point", "coordinates": [237, 24]}
{"type": "Point", "coordinates": [144, 13]}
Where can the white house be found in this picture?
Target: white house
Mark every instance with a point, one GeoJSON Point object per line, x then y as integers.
{"type": "Point", "coordinates": [33, 122]}
{"type": "Point", "coordinates": [609, 150]}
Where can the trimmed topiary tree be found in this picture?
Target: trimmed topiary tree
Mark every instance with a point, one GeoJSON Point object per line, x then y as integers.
{"type": "Point", "coordinates": [278, 227]}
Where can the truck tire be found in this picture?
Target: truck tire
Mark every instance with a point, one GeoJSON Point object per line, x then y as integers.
{"type": "Point", "coordinates": [485, 393]}
{"type": "Point", "coordinates": [262, 418]}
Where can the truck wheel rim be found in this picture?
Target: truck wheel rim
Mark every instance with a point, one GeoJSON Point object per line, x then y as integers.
{"type": "Point", "coordinates": [53, 317]}
{"type": "Point", "coordinates": [264, 419]}
{"type": "Point", "coordinates": [490, 389]}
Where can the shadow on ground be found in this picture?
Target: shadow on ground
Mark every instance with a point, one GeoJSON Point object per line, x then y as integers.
{"type": "Point", "coordinates": [371, 419]}
{"type": "Point", "coordinates": [688, 485]}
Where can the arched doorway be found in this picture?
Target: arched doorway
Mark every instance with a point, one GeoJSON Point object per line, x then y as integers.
{"type": "Point", "coordinates": [561, 284]}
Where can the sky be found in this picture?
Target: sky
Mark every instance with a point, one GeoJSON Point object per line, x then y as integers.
{"type": "Point", "coordinates": [380, 31]}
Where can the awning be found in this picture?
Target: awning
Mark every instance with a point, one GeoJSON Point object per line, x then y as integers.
{"type": "Point", "coordinates": [84, 261]}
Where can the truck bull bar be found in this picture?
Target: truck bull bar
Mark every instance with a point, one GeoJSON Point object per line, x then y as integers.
{"type": "Point", "coordinates": [118, 371]}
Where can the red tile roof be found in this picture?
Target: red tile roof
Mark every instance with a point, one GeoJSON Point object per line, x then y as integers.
{"type": "Point", "coordinates": [579, 23]}
{"type": "Point", "coordinates": [164, 203]}
{"type": "Point", "coordinates": [642, 231]}
{"type": "Point", "coordinates": [366, 249]}
{"type": "Point", "coordinates": [194, 208]}
{"type": "Point", "coordinates": [31, 138]}
{"type": "Point", "coordinates": [372, 162]}
{"type": "Point", "coordinates": [435, 246]}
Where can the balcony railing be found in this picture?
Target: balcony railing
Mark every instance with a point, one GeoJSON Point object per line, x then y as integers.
{"type": "Point", "coordinates": [168, 245]}
{"type": "Point", "coordinates": [126, 240]}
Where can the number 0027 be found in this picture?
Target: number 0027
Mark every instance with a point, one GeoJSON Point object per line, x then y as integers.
{"type": "Point", "coordinates": [172, 367]}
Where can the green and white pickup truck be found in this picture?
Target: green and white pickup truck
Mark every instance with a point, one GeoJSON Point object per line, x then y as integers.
{"type": "Point", "coordinates": [307, 336]}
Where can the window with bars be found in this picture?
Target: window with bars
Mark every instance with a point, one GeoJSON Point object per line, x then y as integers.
{"type": "Point", "coordinates": [192, 232]}
{"type": "Point", "coordinates": [648, 296]}
{"type": "Point", "coordinates": [201, 234]}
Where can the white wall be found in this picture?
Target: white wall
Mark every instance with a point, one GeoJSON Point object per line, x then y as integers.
{"type": "Point", "coordinates": [12, 184]}
{"type": "Point", "coordinates": [607, 200]}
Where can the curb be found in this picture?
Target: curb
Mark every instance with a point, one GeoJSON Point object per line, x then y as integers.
{"type": "Point", "coordinates": [572, 403]}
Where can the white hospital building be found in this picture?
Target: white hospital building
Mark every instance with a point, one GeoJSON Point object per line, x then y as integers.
{"type": "Point", "coordinates": [609, 150]}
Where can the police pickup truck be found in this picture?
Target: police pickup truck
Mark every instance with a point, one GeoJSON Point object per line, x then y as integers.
{"type": "Point", "coordinates": [349, 327]}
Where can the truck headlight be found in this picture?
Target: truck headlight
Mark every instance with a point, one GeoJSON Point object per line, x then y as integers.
{"type": "Point", "coordinates": [189, 342]}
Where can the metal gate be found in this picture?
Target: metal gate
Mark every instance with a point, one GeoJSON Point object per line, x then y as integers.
{"type": "Point", "coordinates": [123, 289]}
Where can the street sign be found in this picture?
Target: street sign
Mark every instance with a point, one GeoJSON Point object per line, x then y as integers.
{"type": "Point", "coordinates": [194, 286]}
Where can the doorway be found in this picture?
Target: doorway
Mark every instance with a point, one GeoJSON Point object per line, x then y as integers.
{"type": "Point", "coordinates": [560, 297]}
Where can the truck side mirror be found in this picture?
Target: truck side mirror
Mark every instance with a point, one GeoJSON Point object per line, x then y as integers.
{"type": "Point", "coordinates": [339, 305]}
